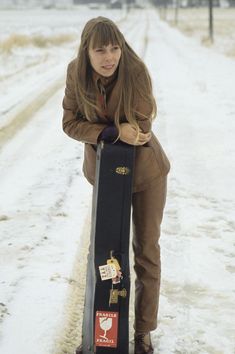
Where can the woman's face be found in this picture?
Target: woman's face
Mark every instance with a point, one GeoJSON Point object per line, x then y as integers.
{"type": "Point", "coordinates": [105, 60]}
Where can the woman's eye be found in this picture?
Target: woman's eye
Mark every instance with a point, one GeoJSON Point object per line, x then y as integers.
{"type": "Point", "coordinates": [99, 50]}
{"type": "Point", "coordinates": [116, 47]}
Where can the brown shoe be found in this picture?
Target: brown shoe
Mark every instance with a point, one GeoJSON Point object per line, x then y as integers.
{"type": "Point", "coordinates": [79, 350]}
{"type": "Point", "coordinates": [143, 343]}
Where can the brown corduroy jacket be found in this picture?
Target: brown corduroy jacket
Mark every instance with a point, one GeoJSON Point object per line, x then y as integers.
{"type": "Point", "coordinates": [151, 161]}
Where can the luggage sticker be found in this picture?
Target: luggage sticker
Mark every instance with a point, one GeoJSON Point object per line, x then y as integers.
{"type": "Point", "coordinates": [107, 271]}
{"type": "Point", "coordinates": [106, 329]}
{"type": "Point", "coordinates": [111, 270]}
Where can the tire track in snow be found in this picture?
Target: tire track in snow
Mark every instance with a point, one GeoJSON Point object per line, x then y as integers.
{"type": "Point", "coordinates": [23, 116]}
{"type": "Point", "coordinates": [69, 335]}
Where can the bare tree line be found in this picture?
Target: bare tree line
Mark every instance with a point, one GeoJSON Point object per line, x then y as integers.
{"type": "Point", "coordinates": [193, 3]}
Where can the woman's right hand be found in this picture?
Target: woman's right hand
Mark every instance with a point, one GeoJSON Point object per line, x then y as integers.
{"type": "Point", "coordinates": [128, 134]}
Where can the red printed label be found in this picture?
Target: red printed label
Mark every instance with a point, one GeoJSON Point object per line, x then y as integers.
{"type": "Point", "coordinates": [106, 329]}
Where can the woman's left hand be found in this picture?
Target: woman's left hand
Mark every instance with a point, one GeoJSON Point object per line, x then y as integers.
{"type": "Point", "coordinates": [143, 138]}
{"type": "Point", "coordinates": [129, 135]}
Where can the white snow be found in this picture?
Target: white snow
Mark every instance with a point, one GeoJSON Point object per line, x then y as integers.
{"type": "Point", "coordinates": [45, 201]}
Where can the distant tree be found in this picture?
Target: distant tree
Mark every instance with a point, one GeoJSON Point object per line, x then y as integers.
{"type": "Point", "coordinates": [177, 5]}
{"type": "Point", "coordinates": [211, 34]}
{"type": "Point", "coordinates": [161, 3]}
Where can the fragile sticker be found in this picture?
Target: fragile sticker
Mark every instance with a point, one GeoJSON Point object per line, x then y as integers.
{"type": "Point", "coordinates": [106, 329]}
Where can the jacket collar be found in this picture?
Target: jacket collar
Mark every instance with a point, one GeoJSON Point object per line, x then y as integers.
{"type": "Point", "coordinates": [104, 81]}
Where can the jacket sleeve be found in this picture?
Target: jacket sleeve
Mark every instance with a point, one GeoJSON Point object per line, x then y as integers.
{"type": "Point", "coordinates": [142, 106]}
{"type": "Point", "coordinates": [109, 134]}
{"type": "Point", "coordinates": [75, 125]}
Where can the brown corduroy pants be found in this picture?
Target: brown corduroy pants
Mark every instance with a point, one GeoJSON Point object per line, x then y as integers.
{"type": "Point", "coordinates": [147, 214]}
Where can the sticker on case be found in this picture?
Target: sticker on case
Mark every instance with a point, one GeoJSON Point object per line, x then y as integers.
{"type": "Point", "coordinates": [106, 329]}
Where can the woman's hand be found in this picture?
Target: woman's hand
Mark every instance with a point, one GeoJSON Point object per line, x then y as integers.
{"type": "Point", "coordinates": [128, 134]}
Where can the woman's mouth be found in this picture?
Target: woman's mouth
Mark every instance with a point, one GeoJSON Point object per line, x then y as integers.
{"type": "Point", "coordinates": [108, 67]}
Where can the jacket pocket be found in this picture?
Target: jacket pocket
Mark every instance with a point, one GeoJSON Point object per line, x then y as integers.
{"type": "Point", "coordinates": [146, 165]}
{"type": "Point", "coordinates": [160, 155]}
{"type": "Point", "coordinates": [89, 164]}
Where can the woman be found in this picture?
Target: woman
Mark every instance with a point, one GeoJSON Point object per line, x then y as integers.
{"type": "Point", "coordinates": [109, 97]}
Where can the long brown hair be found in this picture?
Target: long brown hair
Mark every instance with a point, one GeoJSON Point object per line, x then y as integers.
{"type": "Point", "coordinates": [99, 32]}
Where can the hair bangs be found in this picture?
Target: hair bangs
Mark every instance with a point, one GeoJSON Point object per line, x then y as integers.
{"type": "Point", "coordinates": [103, 35]}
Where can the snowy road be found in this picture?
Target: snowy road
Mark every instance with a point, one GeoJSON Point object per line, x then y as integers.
{"type": "Point", "coordinates": [196, 119]}
{"type": "Point", "coordinates": [45, 208]}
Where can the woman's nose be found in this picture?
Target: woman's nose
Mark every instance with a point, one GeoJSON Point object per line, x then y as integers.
{"type": "Point", "coordinates": [108, 55]}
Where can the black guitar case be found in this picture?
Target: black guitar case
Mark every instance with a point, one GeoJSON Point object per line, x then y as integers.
{"type": "Point", "coordinates": [106, 312]}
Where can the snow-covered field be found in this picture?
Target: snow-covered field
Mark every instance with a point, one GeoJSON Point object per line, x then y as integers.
{"type": "Point", "coordinates": [194, 23]}
{"type": "Point", "coordinates": [45, 201]}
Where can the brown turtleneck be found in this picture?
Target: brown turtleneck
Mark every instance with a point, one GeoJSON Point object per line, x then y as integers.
{"type": "Point", "coordinates": [105, 86]}
{"type": "Point", "coordinates": [105, 92]}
